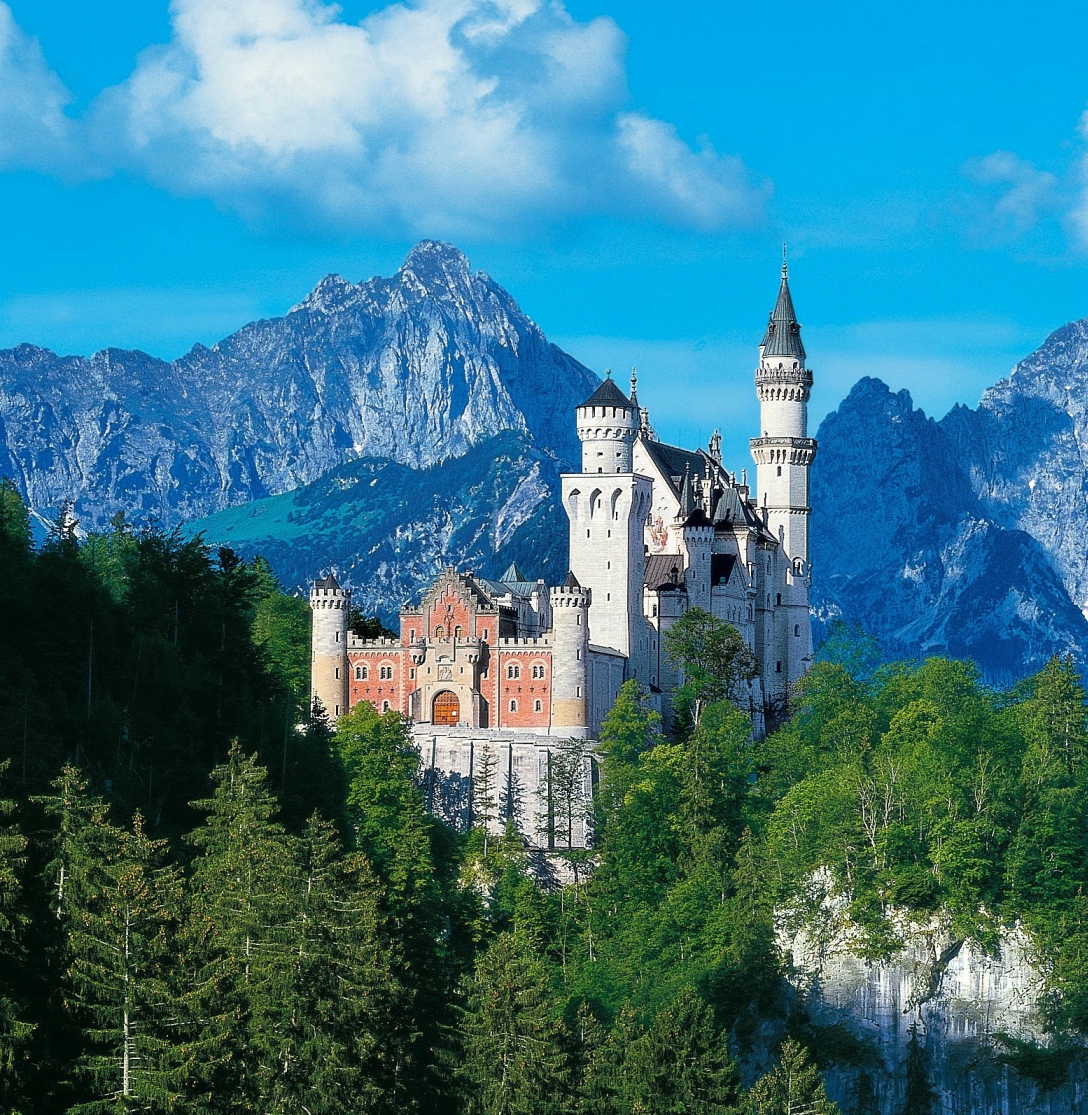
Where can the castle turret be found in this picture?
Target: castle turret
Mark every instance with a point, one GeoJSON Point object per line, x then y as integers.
{"type": "Point", "coordinates": [697, 534]}
{"type": "Point", "coordinates": [607, 504]}
{"type": "Point", "coordinates": [330, 605]}
{"type": "Point", "coordinates": [570, 649]}
{"type": "Point", "coordinates": [784, 453]}
{"type": "Point", "coordinates": [608, 424]}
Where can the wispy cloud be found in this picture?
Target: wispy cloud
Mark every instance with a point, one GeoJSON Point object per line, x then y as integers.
{"type": "Point", "coordinates": [34, 131]}
{"type": "Point", "coordinates": [451, 117]}
{"type": "Point", "coordinates": [1016, 194]}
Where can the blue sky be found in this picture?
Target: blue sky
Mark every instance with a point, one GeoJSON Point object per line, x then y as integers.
{"type": "Point", "coordinates": [628, 170]}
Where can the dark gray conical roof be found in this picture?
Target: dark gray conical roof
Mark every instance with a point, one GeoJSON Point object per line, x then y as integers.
{"type": "Point", "coordinates": [607, 395]}
{"type": "Point", "coordinates": [783, 336]}
{"type": "Point", "coordinates": [571, 580]}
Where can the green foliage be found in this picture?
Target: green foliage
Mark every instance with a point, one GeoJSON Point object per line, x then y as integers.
{"type": "Point", "coordinates": [793, 1087]}
{"type": "Point", "coordinates": [714, 657]}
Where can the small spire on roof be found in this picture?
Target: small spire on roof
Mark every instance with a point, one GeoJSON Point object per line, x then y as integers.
{"type": "Point", "coordinates": [571, 581]}
{"type": "Point", "coordinates": [513, 575]}
{"type": "Point", "coordinates": [687, 499]}
{"type": "Point", "coordinates": [783, 336]}
{"type": "Point", "coordinates": [634, 387]}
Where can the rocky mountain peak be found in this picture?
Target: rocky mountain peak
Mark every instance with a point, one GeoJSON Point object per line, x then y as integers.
{"type": "Point", "coordinates": [415, 369]}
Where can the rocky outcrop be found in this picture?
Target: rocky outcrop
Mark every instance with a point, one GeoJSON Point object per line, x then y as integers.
{"type": "Point", "coordinates": [942, 1018]}
{"type": "Point", "coordinates": [938, 569]}
{"type": "Point", "coordinates": [416, 369]}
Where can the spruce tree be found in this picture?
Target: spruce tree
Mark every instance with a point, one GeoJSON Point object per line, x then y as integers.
{"type": "Point", "coordinates": [345, 991]}
{"type": "Point", "coordinates": [15, 1030]}
{"type": "Point", "coordinates": [513, 1061]}
{"type": "Point", "coordinates": [793, 1087]}
{"type": "Point", "coordinates": [238, 946]}
{"type": "Point", "coordinates": [681, 1065]}
{"type": "Point", "coordinates": [122, 947]}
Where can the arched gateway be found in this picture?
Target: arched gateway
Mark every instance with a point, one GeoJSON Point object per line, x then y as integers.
{"type": "Point", "coordinates": [446, 708]}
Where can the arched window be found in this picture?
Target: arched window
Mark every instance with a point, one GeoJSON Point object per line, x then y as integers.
{"type": "Point", "coordinates": [778, 598]}
{"type": "Point", "coordinates": [439, 632]}
{"type": "Point", "coordinates": [457, 632]}
{"type": "Point", "coordinates": [385, 673]}
{"type": "Point", "coordinates": [797, 629]}
{"type": "Point", "coordinates": [385, 706]}
{"type": "Point", "coordinates": [513, 706]}
{"type": "Point", "coordinates": [779, 470]}
{"type": "Point", "coordinates": [513, 670]}
{"type": "Point", "coordinates": [538, 706]}
{"type": "Point", "coordinates": [538, 670]}
{"type": "Point", "coordinates": [360, 673]}
{"type": "Point", "coordinates": [778, 667]}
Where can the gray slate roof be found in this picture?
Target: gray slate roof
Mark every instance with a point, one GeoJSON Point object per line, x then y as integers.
{"type": "Point", "coordinates": [607, 395]}
{"type": "Point", "coordinates": [783, 336]}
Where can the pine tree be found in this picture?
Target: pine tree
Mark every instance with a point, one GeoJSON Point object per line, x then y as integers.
{"type": "Point", "coordinates": [122, 946]}
{"type": "Point", "coordinates": [484, 802]}
{"type": "Point", "coordinates": [793, 1087]}
{"type": "Point", "coordinates": [513, 1062]}
{"type": "Point", "coordinates": [15, 1030]}
{"type": "Point", "coordinates": [681, 1065]}
{"type": "Point", "coordinates": [336, 1046]}
{"type": "Point", "coordinates": [919, 1098]}
{"type": "Point", "coordinates": [237, 939]}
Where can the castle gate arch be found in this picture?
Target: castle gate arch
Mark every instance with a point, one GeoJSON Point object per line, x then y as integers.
{"type": "Point", "coordinates": [445, 709]}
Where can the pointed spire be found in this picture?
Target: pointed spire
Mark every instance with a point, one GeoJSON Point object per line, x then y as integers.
{"type": "Point", "coordinates": [513, 575]}
{"type": "Point", "coordinates": [634, 387]}
{"type": "Point", "coordinates": [687, 498]}
{"type": "Point", "coordinates": [783, 336]}
{"type": "Point", "coordinates": [571, 580]}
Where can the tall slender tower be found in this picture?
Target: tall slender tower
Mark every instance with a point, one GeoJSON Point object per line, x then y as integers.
{"type": "Point", "coordinates": [783, 454]}
{"type": "Point", "coordinates": [570, 654]}
{"type": "Point", "coordinates": [331, 606]}
{"type": "Point", "coordinates": [607, 504]}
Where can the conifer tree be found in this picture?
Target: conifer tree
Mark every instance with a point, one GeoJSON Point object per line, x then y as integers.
{"type": "Point", "coordinates": [122, 946]}
{"type": "Point", "coordinates": [15, 1030]}
{"type": "Point", "coordinates": [793, 1087]}
{"type": "Point", "coordinates": [681, 1065]}
{"type": "Point", "coordinates": [484, 799]}
{"type": "Point", "coordinates": [513, 1061]}
{"type": "Point", "coordinates": [336, 1039]}
{"type": "Point", "coordinates": [237, 938]}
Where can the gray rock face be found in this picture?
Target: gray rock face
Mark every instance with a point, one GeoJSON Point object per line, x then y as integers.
{"type": "Point", "coordinates": [941, 567]}
{"type": "Point", "coordinates": [951, 1000]}
{"type": "Point", "coordinates": [1026, 452]}
{"type": "Point", "coordinates": [415, 369]}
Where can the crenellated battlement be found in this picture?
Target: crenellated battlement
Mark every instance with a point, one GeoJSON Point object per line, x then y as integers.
{"type": "Point", "coordinates": [544, 642]}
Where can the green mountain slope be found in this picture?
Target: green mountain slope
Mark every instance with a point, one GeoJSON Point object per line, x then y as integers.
{"type": "Point", "coordinates": [388, 529]}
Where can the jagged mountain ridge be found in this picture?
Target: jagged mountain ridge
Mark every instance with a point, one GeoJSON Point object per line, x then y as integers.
{"type": "Point", "coordinates": [416, 369]}
{"type": "Point", "coordinates": [944, 568]}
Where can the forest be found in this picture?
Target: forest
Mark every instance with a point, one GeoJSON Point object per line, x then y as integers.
{"type": "Point", "coordinates": [212, 900]}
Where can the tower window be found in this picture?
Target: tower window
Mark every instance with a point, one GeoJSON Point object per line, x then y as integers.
{"type": "Point", "coordinates": [338, 672]}
{"type": "Point", "coordinates": [779, 470]}
{"type": "Point", "coordinates": [778, 598]}
{"type": "Point", "coordinates": [797, 629]}
{"type": "Point", "coordinates": [337, 712]}
{"type": "Point", "coordinates": [513, 670]}
{"type": "Point", "coordinates": [360, 673]}
{"type": "Point", "coordinates": [457, 632]}
{"type": "Point", "coordinates": [538, 671]}
{"type": "Point", "coordinates": [385, 706]}
{"type": "Point", "coordinates": [778, 667]}
{"type": "Point", "coordinates": [337, 636]}
{"type": "Point", "coordinates": [513, 706]}
{"type": "Point", "coordinates": [439, 632]}
{"type": "Point", "coordinates": [538, 706]}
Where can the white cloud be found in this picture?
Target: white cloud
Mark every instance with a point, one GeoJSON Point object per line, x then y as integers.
{"type": "Point", "coordinates": [1024, 194]}
{"type": "Point", "coordinates": [33, 127]}
{"type": "Point", "coordinates": [438, 116]}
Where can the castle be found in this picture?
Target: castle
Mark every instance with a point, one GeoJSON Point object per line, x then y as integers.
{"type": "Point", "coordinates": [513, 668]}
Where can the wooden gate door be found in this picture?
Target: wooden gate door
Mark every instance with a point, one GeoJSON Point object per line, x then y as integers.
{"type": "Point", "coordinates": [447, 709]}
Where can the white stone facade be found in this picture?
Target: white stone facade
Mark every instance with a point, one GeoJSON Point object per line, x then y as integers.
{"type": "Point", "coordinates": [655, 530]}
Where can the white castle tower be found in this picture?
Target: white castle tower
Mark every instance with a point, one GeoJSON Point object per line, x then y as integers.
{"type": "Point", "coordinates": [783, 455]}
{"type": "Point", "coordinates": [607, 504]}
{"type": "Point", "coordinates": [330, 606]}
{"type": "Point", "coordinates": [570, 654]}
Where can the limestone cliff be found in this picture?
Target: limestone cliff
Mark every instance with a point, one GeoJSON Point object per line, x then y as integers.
{"type": "Point", "coordinates": [941, 1010]}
